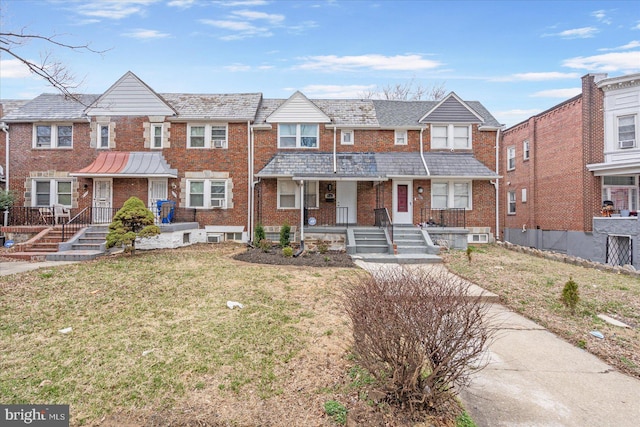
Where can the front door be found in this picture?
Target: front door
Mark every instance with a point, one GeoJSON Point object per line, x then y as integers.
{"type": "Point", "coordinates": [102, 202]}
{"type": "Point", "coordinates": [158, 190]}
{"type": "Point", "coordinates": [346, 202]}
{"type": "Point", "coordinates": [402, 202]}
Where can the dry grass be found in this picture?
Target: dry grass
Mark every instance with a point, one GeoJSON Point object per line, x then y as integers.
{"type": "Point", "coordinates": [154, 343]}
{"type": "Point", "coordinates": [533, 286]}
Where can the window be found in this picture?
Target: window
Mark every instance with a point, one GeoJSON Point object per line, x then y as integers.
{"type": "Point", "coordinates": [511, 202]}
{"type": "Point", "coordinates": [53, 136]}
{"type": "Point", "coordinates": [525, 150]}
{"type": "Point", "coordinates": [511, 158]}
{"type": "Point", "coordinates": [207, 193]}
{"type": "Point", "coordinates": [400, 137]}
{"type": "Point", "coordinates": [622, 190]}
{"type": "Point", "coordinates": [49, 192]}
{"type": "Point", "coordinates": [289, 194]}
{"type": "Point", "coordinates": [297, 136]}
{"type": "Point", "coordinates": [451, 137]}
{"type": "Point", "coordinates": [450, 194]}
{"type": "Point", "coordinates": [103, 136]}
{"type": "Point", "coordinates": [627, 131]}
{"type": "Point", "coordinates": [207, 136]}
{"type": "Point", "coordinates": [156, 136]}
{"type": "Point", "coordinates": [346, 137]}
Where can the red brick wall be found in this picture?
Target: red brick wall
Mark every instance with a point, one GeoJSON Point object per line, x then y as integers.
{"type": "Point", "coordinates": [562, 194]}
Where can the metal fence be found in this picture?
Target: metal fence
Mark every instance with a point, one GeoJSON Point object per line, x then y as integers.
{"type": "Point", "coordinates": [453, 217]}
{"type": "Point", "coordinates": [332, 216]}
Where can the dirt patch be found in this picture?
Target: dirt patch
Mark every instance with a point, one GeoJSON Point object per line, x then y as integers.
{"type": "Point", "coordinates": [307, 259]}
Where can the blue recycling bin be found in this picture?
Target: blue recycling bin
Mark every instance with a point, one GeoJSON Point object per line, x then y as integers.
{"type": "Point", "coordinates": [166, 210]}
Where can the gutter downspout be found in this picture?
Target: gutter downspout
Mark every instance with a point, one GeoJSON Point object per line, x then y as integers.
{"type": "Point", "coordinates": [335, 155]}
{"type": "Point", "coordinates": [424, 162]}
{"type": "Point", "coordinates": [496, 184]}
{"type": "Point", "coordinates": [5, 129]}
{"type": "Point", "coordinates": [250, 181]}
{"type": "Point", "coordinates": [301, 220]}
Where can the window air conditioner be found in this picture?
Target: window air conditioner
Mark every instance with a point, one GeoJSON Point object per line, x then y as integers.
{"type": "Point", "coordinates": [217, 203]}
{"type": "Point", "coordinates": [219, 143]}
{"type": "Point", "coordinates": [628, 144]}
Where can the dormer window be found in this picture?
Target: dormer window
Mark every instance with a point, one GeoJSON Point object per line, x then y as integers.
{"type": "Point", "coordinates": [298, 135]}
{"type": "Point", "coordinates": [451, 137]}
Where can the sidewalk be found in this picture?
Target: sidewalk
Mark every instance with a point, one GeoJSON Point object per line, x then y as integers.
{"type": "Point", "coordinates": [536, 379]}
{"type": "Point", "coordinates": [13, 267]}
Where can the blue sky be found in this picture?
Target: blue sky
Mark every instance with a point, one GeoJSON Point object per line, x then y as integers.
{"type": "Point", "coordinates": [516, 57]}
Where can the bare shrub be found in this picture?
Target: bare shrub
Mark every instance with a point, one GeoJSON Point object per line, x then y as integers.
{"type": "Point", "coordinates": [420, 334]}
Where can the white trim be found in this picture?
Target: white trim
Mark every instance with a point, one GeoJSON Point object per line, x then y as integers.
{"type": "Point", "coordinates": [207, 201]}
{"type": "Point", "coordinates": [208, 141]}
{"type": "Point", "coordinates": [347, 132]}
{"type": "Point", "coordinates": [451, 136]}
{"type": "Point", "coordinates": [53, 135]}
{"type": "Point", "coordinates": [401, 135]}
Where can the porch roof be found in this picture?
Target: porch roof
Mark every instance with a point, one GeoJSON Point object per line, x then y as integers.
{"type": "Point", "coordinates": [125, 164]}
{"type": "Point", "coordinates": [375, 166]}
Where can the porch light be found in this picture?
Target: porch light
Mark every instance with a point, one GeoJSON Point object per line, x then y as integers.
{"type": "Point", "coordinates": [420, 190]}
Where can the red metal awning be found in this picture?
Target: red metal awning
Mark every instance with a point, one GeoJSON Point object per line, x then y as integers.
{"type": "Point", "coordinates": [124, 164]}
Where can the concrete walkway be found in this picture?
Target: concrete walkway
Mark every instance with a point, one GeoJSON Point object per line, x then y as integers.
{"type": "Point", "coordinates": [13, 267]}
{"type": "Point", "coordinates": [536, 379]}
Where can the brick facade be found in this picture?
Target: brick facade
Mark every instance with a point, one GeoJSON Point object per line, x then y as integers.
{"type": "Point", "coordinates": [561, 194]}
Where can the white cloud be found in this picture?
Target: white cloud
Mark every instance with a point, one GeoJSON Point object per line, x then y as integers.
{"type": "Point", "coordinates": [637, 26]}
{"type": "Point", "coordinates": [601, 15]}
{"type": "Point", "coordinates": [609, 62]}
{"type": "Point", "coordinates": [113, 9]}
{"type": "Point", "coordinates": [238, 68]}
{"type": "Point", "coordinates": [576, 33]}
{"type": "Point", "coordinates": [146, 34]}
{"type": "Point", "coordinates": [372, 61]}
{"type": "Point", "coordinates": [242, 29]}
{"type": "Point", "coordinates": [183, 4]}
{"type": "Point", "coordinates": [631, 45]}
{"type": "Point", "coordinates": [537, 77]}
{"type": "Point", "coordinates": [558, 93]}
{"type": "Point", "coordinates": [14, 69]}
{"type": "Point", "coordinates": [337, 91]}
{"type": "Point", "coordinates": [273, 19]}
{"type": "Point", "coordinates": [236, 3]}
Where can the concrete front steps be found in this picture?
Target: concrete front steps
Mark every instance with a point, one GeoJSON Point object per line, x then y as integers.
{"type": "Point", "coordinates": [412, 246]}
{"type": "Point", "coordinates": [90, 244]}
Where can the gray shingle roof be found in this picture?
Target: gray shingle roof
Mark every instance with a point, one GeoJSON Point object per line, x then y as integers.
{"type": "Point", "coordinates": [51, 106]}
{"type": "Point", "coordinates": [375, 165]}
{"type": "Point", "coordinates": [214, 106]}
{"type": "Point", "coordinates": [11, 105]}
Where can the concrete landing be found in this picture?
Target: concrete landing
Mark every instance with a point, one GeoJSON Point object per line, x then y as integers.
{"type": "Point", "coordinates": [398, 259]}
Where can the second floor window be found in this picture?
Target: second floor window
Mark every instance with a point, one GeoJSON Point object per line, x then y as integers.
{"type": "Point", "coordinates": [511, 158]}
{"type": "Point", "coordinates": [400, 137]}
{"type": "Point", "coordinates": [207, 136]}
{"type": "Point", "coordinates": [156, 136]}
{"type": "Point", "coordinates": [103, 136]}
{"type": "Point", "coordinates": [627, 131]}
{"type": "Point", "coordinates": [298, 136]}
{"type": "Point", "coordinates": [525, 150]}
{"type": "Point", "coordinates": [451, 137]}
{"type": "Point", "coordinates": [53, 136]}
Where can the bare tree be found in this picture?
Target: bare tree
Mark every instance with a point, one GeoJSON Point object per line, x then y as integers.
{"type": "Point", "coordinates": [409, 91]}
{"type": "Point", "coordinates": [54, 72]}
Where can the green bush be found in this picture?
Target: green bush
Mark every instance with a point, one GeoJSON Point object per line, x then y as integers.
{"type": "Point", "coordinates": [323, 247]}
{"type": "Point", "coordinates": [285, 232]}
{"type": "Point", "coordinates": [133, 220]}
{"type": "Point", "coordinates": [7, 198]}
{"type": "Point", "coordinates": [287, 251]}
{"type": "Point", "coordinates": [259, 233]}
{"type": "Point", "coordinates": [570, 295]}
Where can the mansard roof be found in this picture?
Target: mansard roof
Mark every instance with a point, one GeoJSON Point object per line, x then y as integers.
{"type": "Point", "coordinates": [375, 166]}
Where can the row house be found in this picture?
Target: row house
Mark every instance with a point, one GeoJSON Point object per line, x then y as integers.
{"type": "Point", "coordinates": [571, 174]}
{"type": "Point", "coordinates": [227, 162]}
